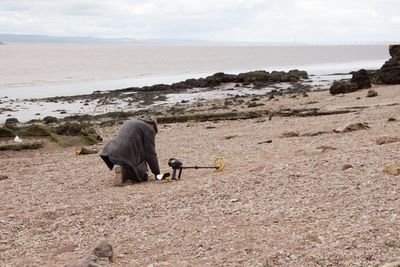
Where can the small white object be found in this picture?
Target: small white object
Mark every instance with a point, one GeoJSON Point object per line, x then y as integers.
{"type": "Point", "coordinates": [17, 139]}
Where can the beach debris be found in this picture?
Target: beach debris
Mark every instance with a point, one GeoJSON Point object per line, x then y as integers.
{"type": "Point", "coordinates": [346, 167]}
{"type": "Point", "coordinates": [85, 151]}
{"type": "Point", "coordinates": [3, 177]}
{"type": "Point", "coordinates": [393, 169]}
{"type": "Point", "coordinates": [326, 148]}
{"type": "Point", "coordinates": [100, 255]}
{"type": "Point", "coordinates": [372, 93]}
{"type": "Point", "coordinates": [352, 127]}
{"type": "Point", "coordinates": [290, 134]}
{"type": "Point", "coordinates": [230, 137]}
{"type": "Point", "coordinates": [387, 140]}
{"type": "Point", "coordinates": [264, 142]}
{"type": "Point", "coordinates": [17, 139]}
{"type": "Point", "coordinates": [310, 134]}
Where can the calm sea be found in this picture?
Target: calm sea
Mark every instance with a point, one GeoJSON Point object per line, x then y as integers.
{"type": "Point", "coordinates": [49, 70]}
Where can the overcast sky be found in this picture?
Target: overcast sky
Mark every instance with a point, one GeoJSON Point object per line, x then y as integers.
{"type": "Point", "coordinates": [213, 20]}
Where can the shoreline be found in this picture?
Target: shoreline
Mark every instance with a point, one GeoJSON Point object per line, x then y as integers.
{"type": "Point", "coordinates": [141, 98]}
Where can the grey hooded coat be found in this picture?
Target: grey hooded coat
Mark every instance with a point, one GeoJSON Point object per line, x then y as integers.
{"type": "Point", "coordinates": [134, 145]}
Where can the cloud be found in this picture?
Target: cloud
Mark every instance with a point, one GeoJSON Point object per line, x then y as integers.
{"type": "Point", "coordinates": [236, 20]}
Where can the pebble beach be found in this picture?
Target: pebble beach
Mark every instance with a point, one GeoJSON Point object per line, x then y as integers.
{"type": "Point", "coordinates": [297, 190]}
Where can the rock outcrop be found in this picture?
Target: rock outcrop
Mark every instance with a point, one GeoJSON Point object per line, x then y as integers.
{"type": "Point", "coordinates": [342, 87]}
{"type": "Point", "coordinates": [389, 73]}
{"type": "Point", "coordinates": [360, 80]}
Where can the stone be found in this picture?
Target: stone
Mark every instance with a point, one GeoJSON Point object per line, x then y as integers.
{"type": "Point", "coordinates": [352, 127]}
{"type": "Point", "coordinates": [103, 250]}
{"type": "Point", "coordinates": [391, 119]}
{"type": "Point", "coordinates": [3, 177]}
{"type": "Point", "coordinates": [101, 255]}
{"type": "Point", "coordinates": [11, 122]}
{"type": "Point", "coordinates": [361, 79]}
{"type": "Point", "coordinates": [346, 167]}
{"type": "Point", "coordinates": [252, 104]}
{"type": "Point", "coordinates": [85, 151]}
{"type": "Point", "coordinates": [49, 119]}
{"type": "Point", "coordinates": [342, 87]}
{"type": "Point", "coordinates": [372, 93]}
{"type": "Point", "coordinates": [392, 264]}
{"type": "Point", "coordinates": [387, 140]}
{"type": "Point", "coordinates": [393, 169]}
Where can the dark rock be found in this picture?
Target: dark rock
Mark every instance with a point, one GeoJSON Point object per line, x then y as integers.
{"type": "Point", "coordinates": [389, 73]}
{"type": "Point", "coordinates": [11, 122]}
{"type": "Point", "coordinates": [298, 73]}
{"type": "Point", "coordinates": [50, 119]}
{"type": "Point", "coordinates": [228, 103]}
{"type": "Point", "coordinates": [69, 128]}
{"type": "Point", "coordinates": [342, 87]}
{"type": "Point", "coordinates": [373, 76]}
{"type": "Point", "coordinates": [372, 93]}
{"type": "Point", "coordinates": [394, 50]}
{"type": "Point", "coordinates": [361, 79]}
{"type": "Point", "coordinates": [252, 104]}
{"type": "Point", "coordinates": [391, 119]}
{"type": "Point", "coordinates": [3, 177]}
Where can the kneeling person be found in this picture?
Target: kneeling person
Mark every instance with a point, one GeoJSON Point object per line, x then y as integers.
{"type": "Point", "coordinates": [132, 149]}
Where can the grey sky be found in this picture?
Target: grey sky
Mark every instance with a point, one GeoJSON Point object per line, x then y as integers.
{"type": "Point", "coordinates": [214, 20]}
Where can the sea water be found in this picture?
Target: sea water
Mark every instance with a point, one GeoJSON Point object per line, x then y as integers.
{"type": "Point", "coordinates": [37, 71]}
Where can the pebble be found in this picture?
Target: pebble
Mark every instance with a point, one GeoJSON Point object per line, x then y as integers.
{"type": "Point", "coordinates": [234, 200]}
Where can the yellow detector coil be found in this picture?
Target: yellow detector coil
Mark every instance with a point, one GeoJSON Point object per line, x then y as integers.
{"type": "Point", "coordinates": [219, 164]}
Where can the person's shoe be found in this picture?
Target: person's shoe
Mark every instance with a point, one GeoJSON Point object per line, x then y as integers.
{"type": "Point", "coordinates": [118, 180]}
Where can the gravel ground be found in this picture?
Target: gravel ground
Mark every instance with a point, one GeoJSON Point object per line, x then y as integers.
{"type": "Point", "coordinates": [284, 203]}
